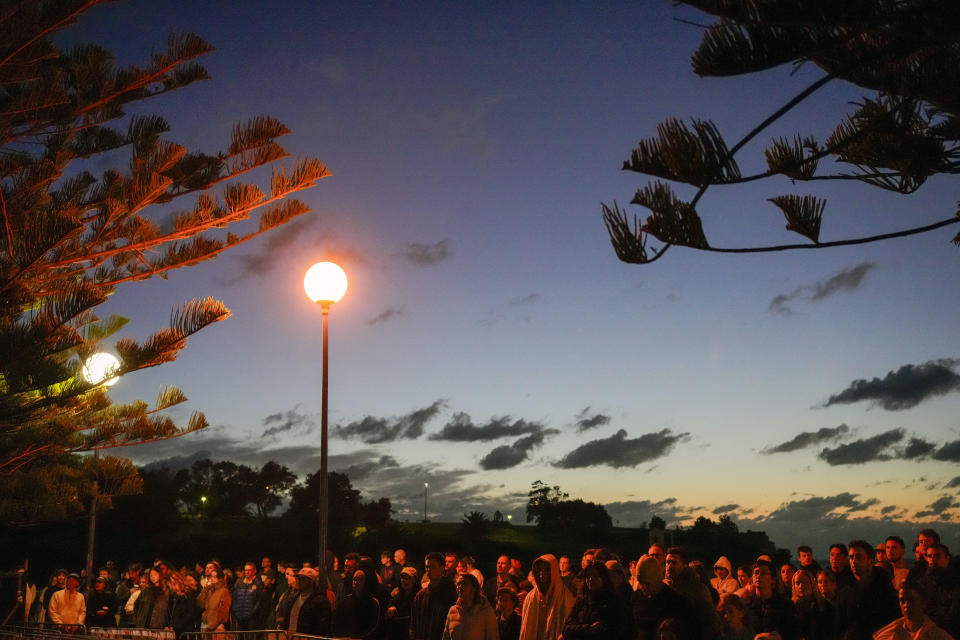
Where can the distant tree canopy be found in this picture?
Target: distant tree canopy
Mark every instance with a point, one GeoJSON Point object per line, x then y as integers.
{"type": "Point", "coordinates": [69, 239]}
{"type": "Point", "coordinates": [907, 130]}
{"type": "Point", "coordinates": [555, 513]}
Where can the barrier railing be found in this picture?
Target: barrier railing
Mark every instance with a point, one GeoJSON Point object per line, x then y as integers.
{"type": "Point", "coordinates": [263, 634]}
{"type": "Point", "coordinates": [42, 631]}
{"type": "Point", "coordinates": [121, 633]}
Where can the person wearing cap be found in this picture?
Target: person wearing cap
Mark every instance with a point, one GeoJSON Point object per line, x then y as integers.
{"type": "Point", "coordinates": [396, 618]}
{"type": "Point", "coordinates": [67, 606]}
{"type": "Point", "coordinates": [658, 607]}
{"type": "Point", "coordinates": [310, 611]}
{"type": "Point", "coordinates": [102, 604]}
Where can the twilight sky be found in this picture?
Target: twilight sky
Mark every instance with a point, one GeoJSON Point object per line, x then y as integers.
{"type": "Point", "coordinates": [490, 338]}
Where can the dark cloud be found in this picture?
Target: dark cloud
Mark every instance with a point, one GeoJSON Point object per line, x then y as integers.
{"type": "Point", "coordinates": [887, 510]}
{"type": "Point", "coordinates": [619, 451]}
{"type": "Point", "coordinates": [387, 314]}
{"type": "Point", "coordinates": [461, 428]}
{"type": "Point", "coordinates": [949, 452]}
{"type": "Point", "coordinates": [373, 430]}
{"type": "Point", "coordinates": [878, 447]}
{"type": "Point", "coordinates": [283, 422]}
{"type": "Point", "coordinates": [939, 508]}
{"type": "Point", "coordinates": [845, 281]}
{"type": "Point", "coordinates": [635, 512]}
{"type": "Point", "coordinates": [527, 299]}
{"type": "Point", "coordinates": [258, 262]}
{"type": "Point", "coordinates": [361, 470]}
{"type": "Point", "coordinates": [427, 254]}
{"type": "Point", "coordinates": [917, 448]}
{"type": "Point", "coordinates": [586, 421]}
{"type": "Point", "coordinates": [904, 388]}
{"type": "Point", "coordinates": [725, 508]}
{"type": "Point", "coordinates": [819, 508]}
{"type": "Point", "coordinates": [809, 438]}
{"type": "Point", "coordinates": [510, 455]}
{"type": "Point", "coordinates": [953, 484]}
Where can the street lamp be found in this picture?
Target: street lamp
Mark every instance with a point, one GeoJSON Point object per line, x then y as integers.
{"type": "Point", "coordinates": [325, 283]}
{"type": "Point", "coordinates": [425, 485]}
{"type": "Point", "coordinates": [101, 368]}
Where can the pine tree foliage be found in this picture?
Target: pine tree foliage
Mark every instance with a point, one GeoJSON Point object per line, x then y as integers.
{"type": "Point", "coordinates": [68, 238]}
{"type": "Point", "coordinates": [905, 130]}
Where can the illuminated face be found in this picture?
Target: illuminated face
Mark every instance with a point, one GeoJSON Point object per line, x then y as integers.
{"type": "Point", "coordinates": [860, 562]}
{"type": "Point", "coordinates": [503, 565]}
{"type": "Point", "coordinates": [465, 590]}
{"type": "Point", "coordinates": [434, 569]}
{"type": "Point", "coordinates": [762, 578]}
{"type": "Point", "coordinates": [586, 560]}
{"type": "Point", "coordinates": [802, 586]}
{"type": "Point", "coordinates": [937, 558]}
{"type": "Point", "coordinates": [359, 580]}
{"type": "Point", "coordinates": [925, 541]}
{"type": "Point", "coordinates": [743, 577]}
{"type": "Point", "coordinates": [911, 604]}
{"type": "Point", "coordinates": [805, 558]}
{"type": "Point", "coordinates": [291, 576]}
{"type": "Point", "coordinates": [564, 564]}
{"type": "Point", "coordinates": [838, 560]}
{"type": "Point", "coordinates": [894, 550]}
{"type": "Point", "coordinates": [721, 572]}
{"type": "Point", "coordinates": [656, 551]}
{"type": "Point", "coordinates": [828, 588]}
{"type": "Point", "coordinates": [400, 557]}
{"type": "Point", "coordinates": [675, 565]}
{"type": "Point", "coordinates": [450, 563]}
{"type": "Point", "coordinates": [786, 574]}
{"type": "Point", "coordinates": [249, 571]}
{"type": "Point", "coordinates": [349, 566]}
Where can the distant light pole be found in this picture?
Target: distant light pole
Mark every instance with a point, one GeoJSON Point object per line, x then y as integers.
{"type": "Point", "coordinates": [99, 369]}
{"type": "Point", "coordinates": [325, 283]}
{"type": "Point", "coordinates": [425, 485]}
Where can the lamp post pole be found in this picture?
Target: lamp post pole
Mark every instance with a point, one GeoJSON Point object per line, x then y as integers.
{"type": "Point", "coordinates": [324, 486]}
{"type": "Point", "coordinates": [325, 283]}
{"type": "Point", "coordinates": [425, 485]}
{"type": "Point", "coordinates": [97, 370]}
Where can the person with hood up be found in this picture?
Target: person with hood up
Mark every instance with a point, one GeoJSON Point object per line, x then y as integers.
{"type": "Point", "coordinates": [724, 582]}
{"type": "Point", "coordinates": [472, 617]}
{"type": "Point", "coordinates": [548, 604]}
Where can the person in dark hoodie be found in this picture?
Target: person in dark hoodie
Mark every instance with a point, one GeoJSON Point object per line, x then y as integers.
{"type": "Point", "coordinates": [358, 616]}
{"type": "Point", "coordinates": [101, 606]}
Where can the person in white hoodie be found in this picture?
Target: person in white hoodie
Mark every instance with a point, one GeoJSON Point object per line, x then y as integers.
{"type": "Point", "coordinates": [724, 582]}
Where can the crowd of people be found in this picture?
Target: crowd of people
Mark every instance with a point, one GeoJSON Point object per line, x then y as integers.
{"type": "Point", "coordinates": [864, 592]}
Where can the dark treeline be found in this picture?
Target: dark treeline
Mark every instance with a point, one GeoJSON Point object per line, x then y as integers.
{"type": "Point", "coordinates": [237, 513]}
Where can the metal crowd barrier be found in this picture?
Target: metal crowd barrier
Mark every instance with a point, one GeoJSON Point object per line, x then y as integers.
{"type": "Point", "coordinates": [114, 633]}
{"type": "Point", "coordinates": [263, 634]}
{"type": "Point", "coordinates": [43, 631]}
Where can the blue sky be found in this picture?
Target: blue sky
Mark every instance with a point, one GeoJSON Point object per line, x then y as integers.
{"type": "Point", "coordinates": [470, 147]}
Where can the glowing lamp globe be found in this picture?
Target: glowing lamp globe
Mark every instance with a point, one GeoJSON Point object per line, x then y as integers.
{"type": "Point", "coordinates": [100, 369]}
{"type": "Point", "coordinates": [325, 283]}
